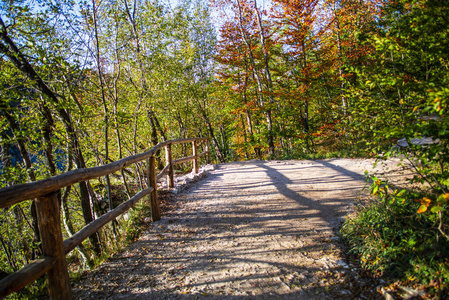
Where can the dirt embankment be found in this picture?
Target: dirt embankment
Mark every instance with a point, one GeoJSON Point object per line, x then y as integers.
{"type": "Point", "coordinates": [250, 230]}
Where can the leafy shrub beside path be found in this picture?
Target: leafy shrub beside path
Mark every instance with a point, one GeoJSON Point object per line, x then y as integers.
{"type": "Point", "coordinates": [393, 238]}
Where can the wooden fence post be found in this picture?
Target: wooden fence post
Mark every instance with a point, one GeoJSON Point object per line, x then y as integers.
{"type": "Point", "coordinates": [49, 222]}
{"type": "Point", "coordinates": [155, 210]}
{"type": "Point", "coordinates": [195, 154]}
{"type": "Point", "coordinates": [168, 160]}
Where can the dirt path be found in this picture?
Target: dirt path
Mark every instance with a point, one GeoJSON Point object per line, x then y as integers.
{"type": "Point", "coordinates": [250, 230]}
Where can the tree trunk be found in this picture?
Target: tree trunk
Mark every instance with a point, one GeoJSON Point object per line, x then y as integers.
{"type": "Point", "coordinates": [223, 140]}
{"type": "Point", "coordinates": [270, 82]}
{"type": "Point", "coordinates": [340, 58]}
{"type": "Point", "coordinates": [47, 128]}
{"type": "Point", "coordinates": [66, 220]}
{"type": "Point", "coordinates": [154, 141]}
{"type": "Point", "coordinates": [258, 79]}
{"type": "Point", "coordinates": [306, 82]}
{"type": "Point", "coordinates": [245, 138]}
{"type": "Point", "coordinates": [218, 151]}
{"type": "Point", "coordinates": [105, 111]}
{"type": "Point", "coordinates": [114, 94]}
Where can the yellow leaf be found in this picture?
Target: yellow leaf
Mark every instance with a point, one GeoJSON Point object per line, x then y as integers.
{"type": "Point", "coordinates": [422, 209]}
{"type": "Point", "coordinates": [401, 101]}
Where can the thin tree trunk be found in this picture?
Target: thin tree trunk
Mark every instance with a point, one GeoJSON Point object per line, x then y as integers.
{"type": "Point", "coordinates": [67, 222]}
{"type": "Point", "coordinates": [144, 85]}
{"type": "Point", "coordinates": [105, 111]}
{"type": "Point", "coordinates": [154, 141]}
{"type": "Point", "coordinates": [69, 227]}
{"type": "Point", "coordinates": [158, 126]}
{"type": "Point", "coordinates": [245, 100]}
{"type": "Point", "coordinates": [400, 99]}
{"type": "Point", "coordinates": [47, 126]}
{"type": "Point", "coordinates": [258, 79]}
{"type": "Point", "coordinates": [182, 133]}
{"type": "Point", "coordinates": [245, 138]}
{"type": "Point", "coordinates": [218, 151]}
{"type": "Point", "coordinates": [115, 110]}
{"type": "Point", "coordinates": [306, 82]}
{"type": "Point", "coordinates": [9, 256]}
{"type": "Point", "coordinates": [340, 58]}
{"type": "Point", "coordinates": [270, 82]}
{"type": "Point", "coordinates": [223, 140]}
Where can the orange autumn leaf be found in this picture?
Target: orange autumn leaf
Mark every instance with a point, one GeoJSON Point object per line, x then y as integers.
{"type": "Point", "coordinates": [421, 209]}
{"type": "Point", "coordinates": [425, 202]}
{"type": "Point", "coordinates": [443, 198]}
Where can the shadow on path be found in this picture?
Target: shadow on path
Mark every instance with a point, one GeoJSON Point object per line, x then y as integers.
{"type": "Point", "coordinates": [252, 231]}
{"type": "Point", "coordinates": [331, 209]}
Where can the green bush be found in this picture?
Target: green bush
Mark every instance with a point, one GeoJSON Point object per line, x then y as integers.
{"type": "Point", "coordinates": [393, 239]}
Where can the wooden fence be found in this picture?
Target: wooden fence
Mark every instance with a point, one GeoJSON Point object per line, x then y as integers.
{"type": "Point", "coordinates": [44, 192]}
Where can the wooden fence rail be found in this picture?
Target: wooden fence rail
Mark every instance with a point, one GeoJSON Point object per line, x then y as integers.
{"type": "Point", "coordinates": [44, 192]}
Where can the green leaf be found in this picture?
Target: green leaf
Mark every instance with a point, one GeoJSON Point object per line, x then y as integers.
{"type": "Point", "coordinates": [400, 193]}
{"type": "Point", "coordinates": [436, 209]}
{"type": "Point", "coordinates": [375, 189]}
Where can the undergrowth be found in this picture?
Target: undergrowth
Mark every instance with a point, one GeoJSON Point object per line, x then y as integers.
{"type": "Point", "coordinates": [395, 240]}
{"type": "Point", "coordinates": [136, 222]}
{"type": "Point", "coordinates": [129, 230]}
{"type": "Point", "coordinates": [321, 152]}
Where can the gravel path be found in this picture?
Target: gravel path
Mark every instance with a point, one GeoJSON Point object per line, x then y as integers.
{"type": "Point", "coordinates": [249, 230]}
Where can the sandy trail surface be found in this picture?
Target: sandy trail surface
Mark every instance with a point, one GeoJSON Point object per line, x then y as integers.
{"type": "Point", "coordinates": [248, 230]}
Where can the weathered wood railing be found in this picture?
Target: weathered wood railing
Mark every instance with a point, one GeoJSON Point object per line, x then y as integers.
{"type": "Point", "coordinates": [44, 192]}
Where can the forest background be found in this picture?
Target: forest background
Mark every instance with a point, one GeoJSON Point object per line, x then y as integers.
{"type": "Point", "coordinates": [84, 83]}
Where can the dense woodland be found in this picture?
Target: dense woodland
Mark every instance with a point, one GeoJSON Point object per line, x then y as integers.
{"type": "Point", "coordinates": [85, 83]}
